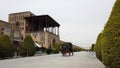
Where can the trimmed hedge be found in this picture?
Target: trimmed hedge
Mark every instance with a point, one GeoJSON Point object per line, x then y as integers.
{"type": "Point", "coordinates": [111, 39]}
{"type": "Point", "coordinates": [98, 47]}
{"type": "Point", "coordinates": [48, 51]}
{"type": "Point", "coordinates": [6, 47]}
{"type": "Point", "coordinates": [27, 48]}
{"type": "Point", "coordinates": [77, 48]}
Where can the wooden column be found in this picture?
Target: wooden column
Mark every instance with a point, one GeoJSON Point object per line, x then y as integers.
{"type": "Point", "coordinates": [52, 29]}
{"type": "Point", "coordinates": [39, 27]}
{"type": "Point", "coordinates": [32, 26]}
{"type": "Point", "coordinates": [55, 30]}
{"type": "Point", "coordinates": [46, 23]}
{"type": "Point", "coordinates": [58, 31]}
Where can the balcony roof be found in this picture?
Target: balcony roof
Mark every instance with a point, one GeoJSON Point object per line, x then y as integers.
{"type": "Point", "coordinates": [44, 20]}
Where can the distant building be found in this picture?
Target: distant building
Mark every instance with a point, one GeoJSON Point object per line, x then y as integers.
{"type": "Point", "coordinates": [43, 29]}
{"type": "Point", "coordinates": [5, 28]}
{"type": "Point", "coordinates": [1, 25]}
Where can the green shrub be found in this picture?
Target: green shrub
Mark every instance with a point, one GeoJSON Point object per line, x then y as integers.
{"type": "Point", "coordinates": [48, 51]}
{"type": "Point", "coordinates": [6, 47]}
{"type": "Point", "coordinates": [111, 38]}
{"type": "Point", "coordinates": [57, 46]}
{"type": "Point", "coordinates": [55, 50]}
{"type": "Point", "coordinates": [27, 47]}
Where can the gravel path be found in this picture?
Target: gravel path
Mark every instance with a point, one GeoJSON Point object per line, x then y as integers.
{"type": "Point", "coordinates": [79, 60]}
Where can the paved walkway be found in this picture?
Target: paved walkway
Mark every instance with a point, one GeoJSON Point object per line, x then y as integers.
{"type": "Point", "coordinates": [79, 60]}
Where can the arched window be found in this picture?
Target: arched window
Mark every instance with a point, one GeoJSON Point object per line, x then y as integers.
{"type": "Point", "coordinates": [17, 23]}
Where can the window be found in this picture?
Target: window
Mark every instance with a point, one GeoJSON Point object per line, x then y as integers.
{"type": "Point", "coordinates": [17, 23]}
{"type": "Point", "coordinates": [22, 37]}
{"type": "Point", "coordinates": [22, 28]}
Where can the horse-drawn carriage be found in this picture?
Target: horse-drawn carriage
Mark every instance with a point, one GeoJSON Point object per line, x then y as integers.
{"type": "Point", "coordinates": [67, 48]}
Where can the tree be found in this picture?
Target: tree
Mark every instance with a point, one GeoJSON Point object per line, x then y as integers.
{"type": "Point", "coordinates": [6, 47]}
{"type": "Point", "coordinates": [77, 48]}
{"type": "Point", "coordinates": [27, 47]}
{"type": "Point", "coordinates": [111, 38]}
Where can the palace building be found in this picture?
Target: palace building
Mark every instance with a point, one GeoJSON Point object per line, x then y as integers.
{"type": "Point", "coordinates": [43, 29]}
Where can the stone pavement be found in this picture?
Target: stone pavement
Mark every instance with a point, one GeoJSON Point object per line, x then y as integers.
{"type": "Point", "coordinates": [79, 60]}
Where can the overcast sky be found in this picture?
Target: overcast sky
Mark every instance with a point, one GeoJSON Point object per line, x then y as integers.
{"type": "Point", "coordinates": [81, 20]}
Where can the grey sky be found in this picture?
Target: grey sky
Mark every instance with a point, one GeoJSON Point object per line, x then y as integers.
{"type": "Point", "coordinates": [81, 20]}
